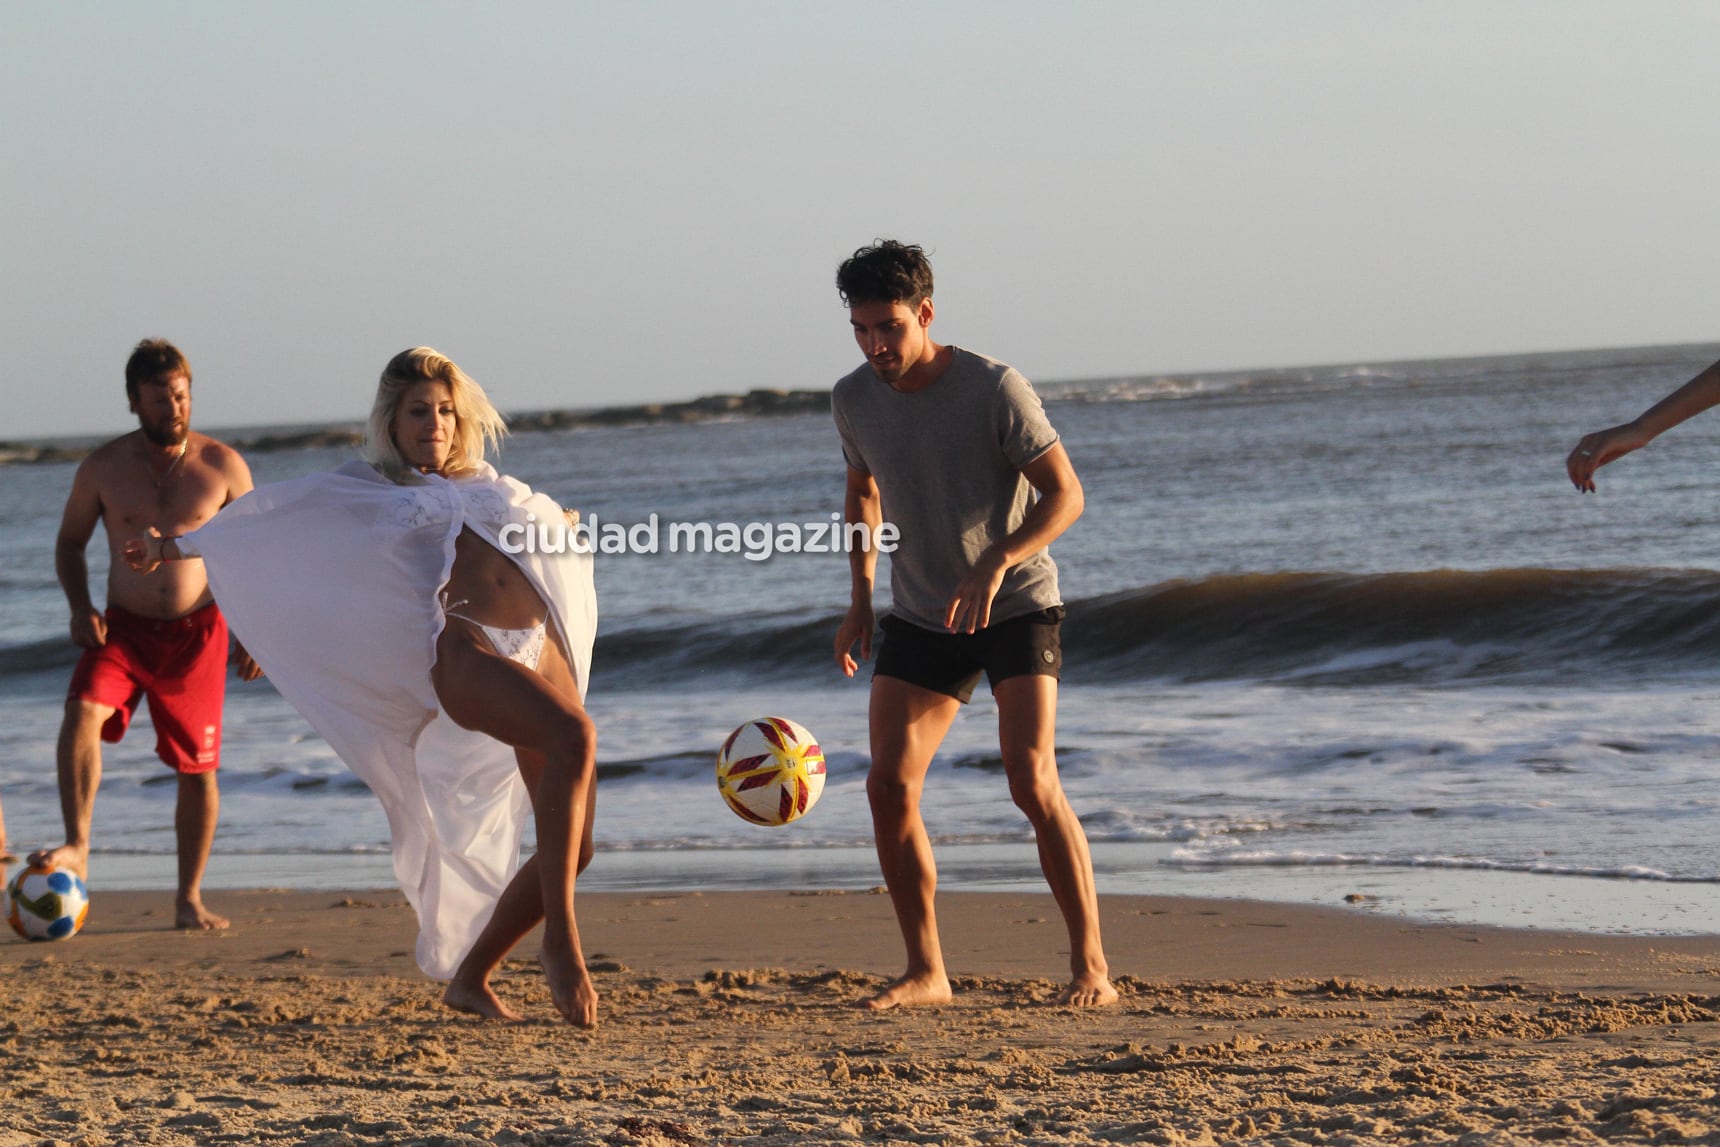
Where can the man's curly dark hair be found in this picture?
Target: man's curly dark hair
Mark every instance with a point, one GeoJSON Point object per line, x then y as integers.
{"type": "Point", "coordinates": [885, 272]}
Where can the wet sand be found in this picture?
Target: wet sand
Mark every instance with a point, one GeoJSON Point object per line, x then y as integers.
{"type": "Point", "coordinates": [728, 1018]}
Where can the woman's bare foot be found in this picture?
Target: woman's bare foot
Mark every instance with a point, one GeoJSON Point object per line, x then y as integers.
{"type": "Point", "coordinates": [190, 915]}
{"type": "Point", "coordinates": [1090, 990]}
{"type": "Point", "coordinates": [478, 1000]}
{"type": "Point", "coordinates": [570, 986]}
{"type": "Point", "coordinates": [922, 990]}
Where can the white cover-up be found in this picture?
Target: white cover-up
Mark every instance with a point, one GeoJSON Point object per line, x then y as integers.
{"type": "Point", "coordinates": [332, 582]}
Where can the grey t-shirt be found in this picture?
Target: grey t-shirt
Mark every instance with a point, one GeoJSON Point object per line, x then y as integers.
{"type": "Point", "coordinates": [947, 460]}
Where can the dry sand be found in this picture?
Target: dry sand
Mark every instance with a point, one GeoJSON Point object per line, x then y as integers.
{"type": "Point", "coordinates": [727, 1018]}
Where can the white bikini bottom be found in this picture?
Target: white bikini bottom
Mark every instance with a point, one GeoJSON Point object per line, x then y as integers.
{"type": "Point", "coordinates": [524, 646]}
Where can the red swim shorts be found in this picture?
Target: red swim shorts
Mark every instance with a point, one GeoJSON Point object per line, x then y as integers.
{"type": "Point", "coordinates": [180, 664]}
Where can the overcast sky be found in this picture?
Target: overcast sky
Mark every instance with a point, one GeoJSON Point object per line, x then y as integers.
{"type": "Point", "coordinates": [589, 204]}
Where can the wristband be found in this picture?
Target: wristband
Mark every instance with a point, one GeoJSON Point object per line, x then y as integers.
{"type": "Point", "coordinates": [183, 543]}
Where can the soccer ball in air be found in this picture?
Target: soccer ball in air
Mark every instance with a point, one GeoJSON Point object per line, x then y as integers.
{"type": "Point", "coordinates": [46, 903]}
{"type": "Point", "coordinates": [770, 771]}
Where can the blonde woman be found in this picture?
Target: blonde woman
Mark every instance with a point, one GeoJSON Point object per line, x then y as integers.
{"type": "Point", "coordinates": [447, 672]}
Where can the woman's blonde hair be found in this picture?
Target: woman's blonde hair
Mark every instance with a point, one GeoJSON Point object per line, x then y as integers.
{"type": "Point", "coordinates": [477, 425]}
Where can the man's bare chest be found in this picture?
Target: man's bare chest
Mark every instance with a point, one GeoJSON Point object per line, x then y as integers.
{"type": "Point", "coordinates": [180, 501]}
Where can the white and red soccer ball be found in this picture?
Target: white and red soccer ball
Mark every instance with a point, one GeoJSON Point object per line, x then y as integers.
{"type": "Point", "coordinates": [770, 771]}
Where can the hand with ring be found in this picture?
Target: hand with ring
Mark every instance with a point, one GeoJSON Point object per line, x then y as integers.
{"type": "Point", "coordinates": [1600, 448]}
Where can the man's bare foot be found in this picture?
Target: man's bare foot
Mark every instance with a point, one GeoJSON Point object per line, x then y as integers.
{"type": "Point", "coordinates": [191, 916]}
{"type": "Point", "coordinates": [1090, 990]}
{"type": "Point", "coordinates": [479, 1000]}
{"type": "Point", "coordinates": [73, 857]}
{"type": "Point", "coordinates": [915, 991]}
{"type": "Point", "coordinates": [570, 986]}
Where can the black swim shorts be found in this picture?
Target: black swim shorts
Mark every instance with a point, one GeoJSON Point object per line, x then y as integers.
{"type": "Point", "coordinates": [950, 663]}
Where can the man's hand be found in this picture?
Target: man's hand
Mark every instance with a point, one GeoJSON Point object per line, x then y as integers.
{"type": "Point", "coordinates": [245, 667]}
{"type": "Point", "coordinates": [857, 626]}
{"type": "Point", "coordinates": [89, 629]}
{"type": "Point", "coordinates": [970, 606]}
{"type": "Point", "coordinates": [1060, 502]}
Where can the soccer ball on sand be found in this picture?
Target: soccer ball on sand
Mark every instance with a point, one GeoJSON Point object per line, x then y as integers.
{"type": "Point", "coordinates": [770, 771]}
{"type": "Point", "coordinates": [46, 903]}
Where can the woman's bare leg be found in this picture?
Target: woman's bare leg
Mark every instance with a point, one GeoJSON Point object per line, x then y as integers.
{"type": "Point", "coordinates": [519, 910]}
{"type": "Point", "coordinates": [517, 706]}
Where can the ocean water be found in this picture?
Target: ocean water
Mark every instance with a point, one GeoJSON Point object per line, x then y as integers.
{"type": "Point", "coordinates": [1336, 635]}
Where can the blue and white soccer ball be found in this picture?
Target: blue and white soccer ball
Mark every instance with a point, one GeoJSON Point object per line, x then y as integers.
{"type": "Point", "coordinates": [46, 903]}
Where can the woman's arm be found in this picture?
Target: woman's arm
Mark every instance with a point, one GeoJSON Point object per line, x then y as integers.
{"type": "Point", "coordinates": [147, 553]}
{"type": "Point", "coordinates": [1603, 446]}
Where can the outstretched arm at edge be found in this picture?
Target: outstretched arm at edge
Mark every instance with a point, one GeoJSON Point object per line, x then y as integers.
{"type": "Point", "coordinates": [1603, 446]}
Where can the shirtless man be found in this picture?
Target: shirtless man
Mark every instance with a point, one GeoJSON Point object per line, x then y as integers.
{"type": "Point", "coordinates": [160, 637]}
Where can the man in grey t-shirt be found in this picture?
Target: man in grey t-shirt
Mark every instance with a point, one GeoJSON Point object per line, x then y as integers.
{"type": "Point", "coordinates": [949, 447]}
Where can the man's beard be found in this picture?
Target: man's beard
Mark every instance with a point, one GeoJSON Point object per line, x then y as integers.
{"type": "Point", "coordinates": [163, 436]}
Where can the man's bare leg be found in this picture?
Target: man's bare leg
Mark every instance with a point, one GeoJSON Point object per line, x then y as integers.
{"type": "Point", "coordinates": [1027, 729]}
{"type": "Point", "coordinates": [78, 762]}
{"type": "Point", "coordinates": [194, 825]}
{"type": "Point", "coordinates": [907, 725]}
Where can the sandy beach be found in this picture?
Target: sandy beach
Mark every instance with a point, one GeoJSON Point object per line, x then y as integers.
{"type": "Point", "coordinates": [728, 1018]}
